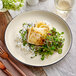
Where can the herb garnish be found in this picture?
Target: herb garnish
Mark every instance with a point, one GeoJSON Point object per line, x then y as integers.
{"type": "Point", "coordinates": [53, 42]}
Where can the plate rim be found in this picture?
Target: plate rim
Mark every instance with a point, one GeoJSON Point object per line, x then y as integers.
{"type": "Point", "coordinates": [39, 65]}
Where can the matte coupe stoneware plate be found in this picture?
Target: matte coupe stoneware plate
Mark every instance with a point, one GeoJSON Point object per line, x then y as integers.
{"type": "Point", "coordinates": [32, 17]}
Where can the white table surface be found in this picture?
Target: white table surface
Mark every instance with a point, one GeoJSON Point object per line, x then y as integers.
{"type": "Point", "coordinates": [67, 66]}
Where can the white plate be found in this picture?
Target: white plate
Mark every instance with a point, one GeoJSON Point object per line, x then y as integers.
{"type": "Point", "coordinates": [37, 16]}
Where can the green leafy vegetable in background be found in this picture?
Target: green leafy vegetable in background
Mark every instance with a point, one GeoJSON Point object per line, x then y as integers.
{"type": "Point", "coordinates": [12, 4]}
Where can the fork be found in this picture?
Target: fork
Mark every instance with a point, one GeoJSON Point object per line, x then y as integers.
{"type": "Point", "coordinates": [4, 55]}
{"type": "Point", "coordinates": [4, 69]}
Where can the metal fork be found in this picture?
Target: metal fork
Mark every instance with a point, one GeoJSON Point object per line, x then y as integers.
{"type": "Point", "coordinates": [4, 69]}
{"type": "Point", "coordinates": [4, 55]}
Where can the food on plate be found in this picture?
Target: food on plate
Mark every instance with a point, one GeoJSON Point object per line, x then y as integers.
{"type": "Point", "coordinates": [41, 39]}
{"type": "Point", "coordinates": [38, 25]}
{"type": "Point", "coordinates": [35, 35]}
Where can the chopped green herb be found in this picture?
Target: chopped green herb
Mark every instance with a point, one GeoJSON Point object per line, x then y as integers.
{"type": "Point", "coordinates": [54, 29]}
{"type": "Point", "coordinates": [52, 48]}
{"type": "Point", "coordinates": [23, 37]}
{"type": "Point", "coordinates": [24, 43]}
{"type": "Point", "coordinates": [42, 58]}
{"type": "Point", "coordinates": [59, 51]}
{"type": "Point", "coordinates": [24, 24]}
{"type": "Point", "coordinates": [62, 32]}
{"type": "Point", "coordinates": [56, 39]}
{"type": "Point", "coordinates": [32, 47]}
{"type": "Point", "coordinates": [51, 52]}
{"type": "Point", "coordinates": [20, 31]}
{"type": "Point", "coordinates": [29, 25]}
{"type": "Point", "coordinates": [32, 56]}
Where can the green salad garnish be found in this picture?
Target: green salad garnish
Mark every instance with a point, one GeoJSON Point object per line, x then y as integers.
{"type": "Point", "coordinates": [53, 42]}
{"type": "Point", "coordinates": [12, 4]}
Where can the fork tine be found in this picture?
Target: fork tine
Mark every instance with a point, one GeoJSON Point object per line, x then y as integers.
{"type": "Point", "coordinates": [1, 53]}
{"type": "Point", "coordinates": [1, 50]}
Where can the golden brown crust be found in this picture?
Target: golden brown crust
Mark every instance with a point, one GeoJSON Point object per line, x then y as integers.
{"type": "Point", "coordinates": [36, 35]}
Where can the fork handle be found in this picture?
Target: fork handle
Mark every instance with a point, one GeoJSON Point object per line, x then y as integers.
{"type": "Point", "coordinates": [7, 72]}
{"type": "Point", "coordinates": [18, 69]}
